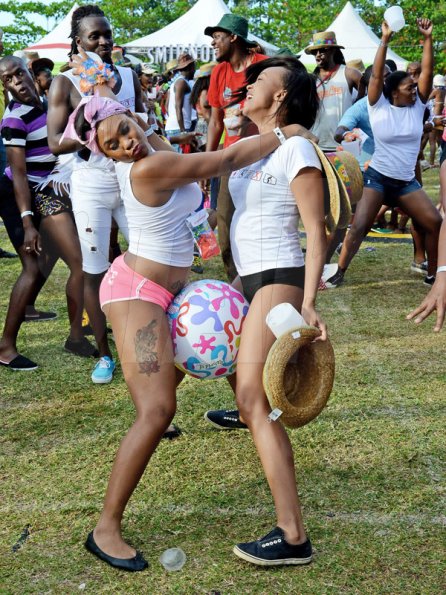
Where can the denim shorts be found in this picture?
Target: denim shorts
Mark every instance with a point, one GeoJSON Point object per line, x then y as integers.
{"type": "Point", "coordinates": [391, 188]}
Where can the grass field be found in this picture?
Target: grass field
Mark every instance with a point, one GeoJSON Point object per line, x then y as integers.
{"type": "Point", "coordinates": [371, 467]}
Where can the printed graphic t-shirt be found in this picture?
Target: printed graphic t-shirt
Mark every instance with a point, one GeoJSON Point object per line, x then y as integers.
{"type": "Point", "coordinates": [224, 82]}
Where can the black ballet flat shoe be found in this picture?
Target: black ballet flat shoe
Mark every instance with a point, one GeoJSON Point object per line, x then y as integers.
{"type": "Point", "coordinates": [130, 564]}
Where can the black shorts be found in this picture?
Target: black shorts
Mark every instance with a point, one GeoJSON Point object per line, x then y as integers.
{"type": "Point", "coordinates": [294, 276]}
{"type": "Point", "coordinates": [43, 203]}
{"type": "Point", "coordinates": [47, 202]}
{"type": "Point", "coordinates": [10, 213]}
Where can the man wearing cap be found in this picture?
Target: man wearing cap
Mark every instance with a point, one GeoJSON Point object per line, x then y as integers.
{"type": "Point", "coordinates": [233, 52]}
{"type": "Point", "coordinates": [145, 74]}
{"type": "Point", "coordinates": [335, 86]}
{"type": "Point", "coordinates": [179, 110]}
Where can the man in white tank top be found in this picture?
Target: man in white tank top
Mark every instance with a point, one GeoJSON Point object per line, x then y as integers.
{"type": "Point", "coordinates": [335, 86]}
{"type": "Point", "coordinates": [179, 109]}
{"type": "Point", "coordinates": [95, 190]}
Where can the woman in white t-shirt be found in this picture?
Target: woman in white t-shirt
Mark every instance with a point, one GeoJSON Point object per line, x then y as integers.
{"type": "Point", "coordinates": [269, 198]}
{"type": "Point", "coordinates": [396, 107]}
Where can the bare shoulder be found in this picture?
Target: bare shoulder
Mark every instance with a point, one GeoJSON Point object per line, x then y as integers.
{"type": "Point", "coordinates": [63, 91]}
{"type": "Point", "coordinates": [352, 74]}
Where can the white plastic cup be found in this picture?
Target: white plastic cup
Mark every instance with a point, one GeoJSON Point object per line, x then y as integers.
{"type": "Point", "coordinates": [283, 318]}
{"type": "Point", "coordinates": [394, 18]}
{"type": "Point", "coordinates": [173, 559]}
{"type": "Point", "coordinates": [353, 147]}
{"type": "Point", "coordinates": [232, 125]}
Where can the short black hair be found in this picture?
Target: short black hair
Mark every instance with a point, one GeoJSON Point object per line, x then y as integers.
{"type": "Point", "coordinates": [391, 64]}
{"type": "Point", "coordinates": [392, 82]}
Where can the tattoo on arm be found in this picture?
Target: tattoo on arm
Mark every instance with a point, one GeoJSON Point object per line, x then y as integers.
{"type": "Point", "coordinates": [146, 354]}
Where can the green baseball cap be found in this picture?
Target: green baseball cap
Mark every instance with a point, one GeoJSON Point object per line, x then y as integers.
{"type": "Point", "coordinates": [232, 23]}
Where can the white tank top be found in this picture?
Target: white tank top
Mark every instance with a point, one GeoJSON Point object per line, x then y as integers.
{"type": "Point", "coordinates": [172, 120]}
{"type": "Point", "coordinates": [126, 97]}
{"type": "Point", "coordinates": [160, 233]}
{"type": "Point", "coordinates": [335, 98]}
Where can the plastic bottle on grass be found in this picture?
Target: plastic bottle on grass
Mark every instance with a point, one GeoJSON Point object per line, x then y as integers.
{"type": "Point", "coordinates": [173, 559]}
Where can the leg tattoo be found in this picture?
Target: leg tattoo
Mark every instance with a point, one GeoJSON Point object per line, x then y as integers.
{"type": "Point", "coordinates": [146, 355]}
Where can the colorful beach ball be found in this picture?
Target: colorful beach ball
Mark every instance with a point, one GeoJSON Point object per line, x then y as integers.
{"type": "Point", "coordinates": [206, 320]}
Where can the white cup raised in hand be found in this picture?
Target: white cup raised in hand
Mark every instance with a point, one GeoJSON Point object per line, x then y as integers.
{"type": "Point", "coordinates": [283, 318]}
{"type": "Point", "coordinates": [353, 147]}
{"type": "Point", "coordinates": [394, 18]}
{"type": "Point", "coordinates": [232, 125]}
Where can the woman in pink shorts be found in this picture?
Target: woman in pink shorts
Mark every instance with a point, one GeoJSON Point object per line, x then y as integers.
{"type": "Point", "coordinates": [159, 190]}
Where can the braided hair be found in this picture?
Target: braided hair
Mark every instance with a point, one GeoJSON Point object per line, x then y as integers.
{"type": "Point", "coordinates": [88, 10]}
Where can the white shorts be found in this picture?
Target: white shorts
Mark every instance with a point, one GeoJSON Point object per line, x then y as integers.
{"type": "Point", "coordinates": [96, 199]}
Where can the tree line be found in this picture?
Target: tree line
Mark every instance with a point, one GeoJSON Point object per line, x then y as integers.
{"type": "Point", "coordinates": [289, 23]}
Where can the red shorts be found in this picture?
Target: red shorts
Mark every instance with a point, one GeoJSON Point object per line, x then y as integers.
{"type": "Point", "coordinates": [121, 284]}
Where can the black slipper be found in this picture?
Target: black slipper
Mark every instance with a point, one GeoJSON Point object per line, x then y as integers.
{"type": "Point", "coordinates": [20, 364]}
{"type": "Point", "coordinates": [40, 316]}
{"type": "Point", "coordinates": [171, 434]}
{"type": "Point", "coordinates": [134, 564]}
{"type": "Point", "coordinates": [82, 347]}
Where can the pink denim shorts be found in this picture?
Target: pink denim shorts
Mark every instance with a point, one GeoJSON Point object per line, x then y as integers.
{"type": "Point", "coordinates": [121, 284]}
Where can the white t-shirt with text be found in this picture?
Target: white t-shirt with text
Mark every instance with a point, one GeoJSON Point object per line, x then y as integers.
{"type": "Point", "coordinates": [264, 232]}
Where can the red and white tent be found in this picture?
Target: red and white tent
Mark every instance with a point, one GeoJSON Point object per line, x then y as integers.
{"type": "Point", "coordinates": [56, 44]}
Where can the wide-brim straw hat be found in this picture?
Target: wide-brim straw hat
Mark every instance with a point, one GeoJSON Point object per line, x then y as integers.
{"type": "Point", "coordinates": [349, 173]}
{"type": "Point", "coordinates": [298, 375]}
{"type": "Point", "coordinates": [336, 201]}
{"type": "Point", "coordinates": [356, 63]}
{"type": "Point", "coordinates": [322, 40]}
{"type": "Point", "coordinates": [183, 61]}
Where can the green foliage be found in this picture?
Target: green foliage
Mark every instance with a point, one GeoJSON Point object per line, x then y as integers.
{"type": "Point", "coordinates": [288, 23]}
{"type": "Point", "coordinates": [23, 31]}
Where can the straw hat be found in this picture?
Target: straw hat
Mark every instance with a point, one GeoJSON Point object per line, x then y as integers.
{"type": "Point", "coordinates": [358, 64]}
{"type": "Point", "coordinates": [31, 56]}
{"type": "Point", "coordinates": [298, 375]}
{"type": "Point", "coordinates": [337, 204]}
{"type": "Point", "coordinates": [170, 66]}
{"type": "Point", "coordinates": [349, 173]}
{"type": "Point", "coordinates": [183, 61]}
{"type": "Point", "coordinates": [147, 68]}
{"type": "Point", "coordinates": [205, 70]}
{"type": "Point", "coordinates": [324, 39]}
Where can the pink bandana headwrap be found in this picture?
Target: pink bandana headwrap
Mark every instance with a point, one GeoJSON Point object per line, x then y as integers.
{"type": "Point", "coordinates": [96, 109]}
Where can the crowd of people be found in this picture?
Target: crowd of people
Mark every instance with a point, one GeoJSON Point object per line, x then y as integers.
{"type": "Point", "coordinates": [105, 147]}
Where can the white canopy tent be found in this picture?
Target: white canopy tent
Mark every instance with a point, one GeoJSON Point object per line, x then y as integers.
{"type": "Point", "coordinates": [56, 44]}
{"type": "Point", "coordinates": [186, 34]}
{"type": "Point", "coordinates": [357, 38]}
